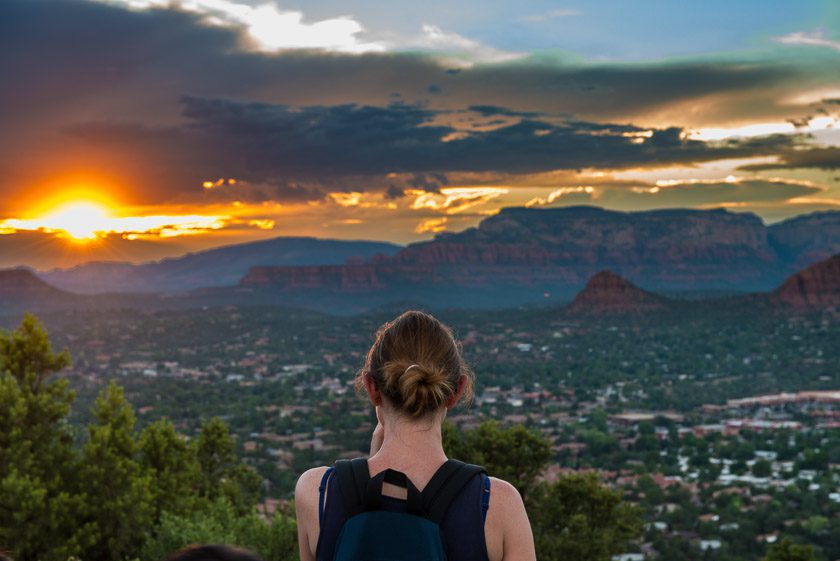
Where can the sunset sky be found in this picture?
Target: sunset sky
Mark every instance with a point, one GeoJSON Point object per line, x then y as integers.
{"type": "Point", "coordinates": [138, 129]}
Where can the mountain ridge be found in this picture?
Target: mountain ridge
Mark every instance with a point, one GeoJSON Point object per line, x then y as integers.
{"type": "Point", "coordinates": [524, 253]}
{"type": "Point", "coordinates": [220, 266]}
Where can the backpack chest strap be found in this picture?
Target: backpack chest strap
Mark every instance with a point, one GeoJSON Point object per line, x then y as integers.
{"type": "Point", "coordinates": [361, 493]}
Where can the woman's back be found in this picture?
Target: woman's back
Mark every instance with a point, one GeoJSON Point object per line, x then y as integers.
{"type": "Point", "coordinates": [462, 527]}
{"type": "Point", "coordinates": [506, 531]}
{"type": "Point", "coordinates": [414, 373]}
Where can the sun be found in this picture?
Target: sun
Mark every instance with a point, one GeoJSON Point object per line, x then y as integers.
{"type": "Point", "coordinates": [80, 220]}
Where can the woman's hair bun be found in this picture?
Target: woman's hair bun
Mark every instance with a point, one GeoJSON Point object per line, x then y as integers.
{"type": "Point", "coordinates": [420, 387]}
{"type": "Point", "coordinates": [416, 364]}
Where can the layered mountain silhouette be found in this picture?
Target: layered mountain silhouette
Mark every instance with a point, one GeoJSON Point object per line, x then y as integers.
{"type": "Point", "coordinates": [521, 256]}
{"type": "Point", "coordinates": [23, 284]}
{"type": "Point", "coordinates": [21, 290]}
{"type": "Point", "coordinates": [606, 294]}
{"type": "Point", "coordinates": [223, 266]}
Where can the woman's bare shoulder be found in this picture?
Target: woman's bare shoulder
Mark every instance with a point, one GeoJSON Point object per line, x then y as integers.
{"type": "Point", "coordinates": [306, 489]}
{"type": "Point", "coordinates": [505, 494]}
{"type": "Point", "coordinates": [510, 537]}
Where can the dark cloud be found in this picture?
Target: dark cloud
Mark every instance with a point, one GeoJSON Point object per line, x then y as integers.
{"type": "Point", "coordinates": [279, 144]}
{"type": "Point", "coordinates": [431, 182]}
{"type": "Point", "coordinates": [820, 158]}
{"type": "Point", "coordinates": [74, 49]}
{"type": "Point", "coordinates": [694, 194]}
{"type": "Point", "coordinates": [158, 102]}
{"type": "Point", "coordinates": [744, 191]}
{"type": "Point", "coordinates": [393, 192]}
{"type": "Point", "coordinates": [492, 110]}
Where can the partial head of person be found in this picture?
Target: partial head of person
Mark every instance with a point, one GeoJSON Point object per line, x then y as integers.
{"type": "Point", "coordinates": [415, 367]}
{"type": "Point", "coordinates": [213, 552]}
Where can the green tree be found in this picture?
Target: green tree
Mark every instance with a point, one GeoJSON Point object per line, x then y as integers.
{"type": "Point", "coordinates": [38, 502]}
{"type": "Point", "coordinates": [787, 550]}
{"type": "Point", "coordinates": [221, 523]}
{"type": "Point", "coordinates": [515, 454]}
{"type": "Point", "coordinates": [762, 468]}
{"type": "Point", "coordinates": [221, 474]}
{"type": "Point", "coordinates": [174, 467]}
{"type": "Point", "coordinates": [579, 518]}
{"type": "Point", "coordinates": [119, 499]}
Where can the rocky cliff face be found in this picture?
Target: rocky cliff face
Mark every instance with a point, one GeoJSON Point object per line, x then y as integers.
{"type": "Point", "coordinates": [804, 240]}
{"type": "Point", "coordinates": [558, 249]}
{"type": "Point", "coordinates": [608, 293]}
{"type": "Point", "coordinates": [590, 235]}
{"type": "Point", "coordinates": [817, 286]}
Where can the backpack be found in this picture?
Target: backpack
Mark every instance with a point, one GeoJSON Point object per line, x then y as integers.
{"type": "Point", "coordinates": [370, 533]}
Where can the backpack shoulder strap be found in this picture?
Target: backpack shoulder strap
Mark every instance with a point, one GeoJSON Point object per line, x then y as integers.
{"type": "Point", "coordinates": [485, 497]}
{"type": "Point", "coordinates": [353, 477]}
{"type": "Point", "coordinates": [322, 490]}
{"type": "Point", "coordinates": [445, 485]}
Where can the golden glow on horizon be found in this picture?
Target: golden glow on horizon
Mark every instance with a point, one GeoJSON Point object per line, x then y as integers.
{"type": "Point", "coordinates": [80, 221]}
{"type": "Point", "coordinates": [763, 129]}
{"type": "Point", "coordinates": [86, 220]}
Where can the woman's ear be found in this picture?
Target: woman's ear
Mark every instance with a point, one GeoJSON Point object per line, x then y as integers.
{"type": "Point", "coordinates": [459, 391]}
{"type": "Point", "coordinates": [373, 392]}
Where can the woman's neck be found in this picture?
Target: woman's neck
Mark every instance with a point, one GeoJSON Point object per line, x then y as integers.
{"type": "Point", "coordinates": [410, 445]}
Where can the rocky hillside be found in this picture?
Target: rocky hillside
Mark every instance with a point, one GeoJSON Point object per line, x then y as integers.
{"type": "Point", "coordinates": [804, 240]}
{"type": "Point", "coordinates": [608, 293]}
{"type": "Point", "coordinates": [817, 286]}
{"type": "Point", "coordinates": [524, 254]}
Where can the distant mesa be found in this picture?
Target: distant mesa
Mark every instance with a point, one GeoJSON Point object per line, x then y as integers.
{"type": "Point", "coordinates": [21, 290]}
{"type": "Point", "coordinates": [814, 287]}
{"type": "Point", "coordinates": [520, 256]}
{"type": "Point", "coordinates": [15, 283]}
{"type": "Point", "coordinates": [609, 293]}
{"type": "Point", "coordinates": [221, 266]}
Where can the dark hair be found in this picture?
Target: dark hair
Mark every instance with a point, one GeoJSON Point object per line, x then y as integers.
{"type": "Point", "coordinates": [416, 363]}
{"type": "Point", "coordinates": [212, 553]}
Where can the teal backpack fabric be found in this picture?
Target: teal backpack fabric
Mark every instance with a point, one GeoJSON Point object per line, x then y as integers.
{"type": "Point", "coordinates": [372, 534]}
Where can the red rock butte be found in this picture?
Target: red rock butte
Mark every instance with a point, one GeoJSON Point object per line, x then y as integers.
{"type": "Point", "coordinates": [817, 286]}
{"type": "Point", "coordinates": [609, 293]}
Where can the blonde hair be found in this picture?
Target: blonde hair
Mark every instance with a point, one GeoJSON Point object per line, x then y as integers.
{"type": "Point", "coordinates": [416, 363]}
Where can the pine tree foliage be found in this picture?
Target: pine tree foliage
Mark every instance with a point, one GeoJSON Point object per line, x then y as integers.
{"type": "Point", "coordinates": [788, 550]}
{"type": "Point", "coordinates": [118, 492]}
{"type": "Point", "coordinates": [579, 518]}
{"type": "Point", "coordinates": [173, 466]}
{"type": "Point", "coordinates": [39, 501]}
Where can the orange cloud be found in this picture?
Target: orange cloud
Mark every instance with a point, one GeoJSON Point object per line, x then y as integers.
{"type": "Point", "coordinates": [431, 225]}
{"type": "Point", "coordinates": [453, 200]}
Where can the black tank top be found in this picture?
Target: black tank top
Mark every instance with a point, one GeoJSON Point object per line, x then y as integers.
{"type": "Point", "coordinates": [462, 528]}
